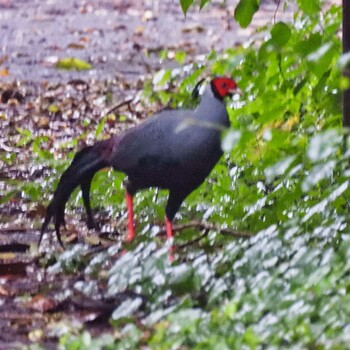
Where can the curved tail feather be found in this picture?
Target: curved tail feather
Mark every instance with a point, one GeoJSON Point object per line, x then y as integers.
{"type": "Point", "coordinates": [81, 172]}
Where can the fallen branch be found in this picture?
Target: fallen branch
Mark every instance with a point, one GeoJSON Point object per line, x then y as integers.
{"type": "Point", "coordinates": [208, 226]}
{"type": "Point", "coordinates": [194, 241]}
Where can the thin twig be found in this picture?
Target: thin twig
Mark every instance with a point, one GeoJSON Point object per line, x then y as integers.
{"type": "Point", "coordinates": [275, 14]}
{"type": "Point", "coordinates": [127, 102]}
{"type": "Point", "coordinates": [202, 225]}
{"type": "Point", "coordinates": [189, 243]}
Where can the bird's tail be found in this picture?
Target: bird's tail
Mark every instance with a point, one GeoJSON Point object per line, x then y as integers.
{"type": "Point", "coordinates": [81, 172]}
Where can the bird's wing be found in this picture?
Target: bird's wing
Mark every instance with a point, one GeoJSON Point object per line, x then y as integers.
{"type": "Point", "coordinates": [157, 138]}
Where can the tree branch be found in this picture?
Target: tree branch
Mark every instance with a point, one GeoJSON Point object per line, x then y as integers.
{"type": "Point", "coordinates": [208, 226]}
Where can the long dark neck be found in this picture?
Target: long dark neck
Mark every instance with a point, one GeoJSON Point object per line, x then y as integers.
{"type": "Point", "coordinates": [212, 109]}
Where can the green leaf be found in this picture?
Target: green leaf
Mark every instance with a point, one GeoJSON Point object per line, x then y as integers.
{"type": "Point", "coordinates": [230, 140]}
{"type": "Point", "coordinates": [250, 338]}
{"type": "Point", "coordinates": [5, 197]}
{"type": "Point", "coordinates": [182, 279]}
{"type": "Point", "coordinates": [180, 57]}
{"type": "Point", "coordinates": [308, 45]}
{"type": "Point", "coordinates": [320, 60]}
{"type": "Point", "coordinates": [324, 145]}
{"type": "Point", "coordinates": [162, 77]}
{"type": "Point", "coordinates": [245, 11]}
{"type": "Point", "coordinates": [53, 108]}
{"type": "Point", "coordinates": [280, 34]}
{"type": "Point", "coordinates": [126, 309]}
{"type": "Point", "coordinates": [26, 136]}
{"type": "Point", "coordinates": [318, 173]}
{"type": "Point", "coordinates": [322, 205]}
{"type": "Point", "coordinates": [203, 3]}
{"type": "Point", "coordinates": [320, 53]}
{"type": "Point", "coordinates": [185, 5]}
{"type": "Point", "coordinates": [310, 7]}
{"type": "Point", "coordinates": [278, 168]}
{"type": "Point", "coordinates": [185, 318]}
{"type": "Point", "coordinates": [72, 63]}
{"type": "Point", "coordinates": [100, 126]}
{"type": "Point", "coordinates": [344, 60]}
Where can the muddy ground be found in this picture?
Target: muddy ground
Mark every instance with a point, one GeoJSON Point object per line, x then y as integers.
{"type": "Point", "coordinates": [120, 38]}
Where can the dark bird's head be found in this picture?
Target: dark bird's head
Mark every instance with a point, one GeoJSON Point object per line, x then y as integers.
{"type": "Point", "coordinates": [223, 87]}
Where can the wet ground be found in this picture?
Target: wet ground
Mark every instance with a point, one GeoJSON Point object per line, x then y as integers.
{"type": "Point", "coordinates": [118, 37]}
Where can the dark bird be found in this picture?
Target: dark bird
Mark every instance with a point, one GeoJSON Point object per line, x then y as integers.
{"type": "Point", "coordinates": [174, 150]}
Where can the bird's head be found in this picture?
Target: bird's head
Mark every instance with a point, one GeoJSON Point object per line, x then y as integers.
{"type": "Point", "coordinates": [223, 86]}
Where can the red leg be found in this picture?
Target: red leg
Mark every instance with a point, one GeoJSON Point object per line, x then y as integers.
{"type": "Point", "coordinates": [169, 228]}
{"type": "Point", "coordinates": [130, 209]}
{"type": "Point", "coordinates": [169, 233]}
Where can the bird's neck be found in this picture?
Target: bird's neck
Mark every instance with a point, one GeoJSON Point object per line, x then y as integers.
{"type": "Point", "coordinates": [211, 109]}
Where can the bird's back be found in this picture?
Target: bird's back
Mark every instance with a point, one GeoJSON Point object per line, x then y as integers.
{"type": "Point", "coordinates": [173, 149]}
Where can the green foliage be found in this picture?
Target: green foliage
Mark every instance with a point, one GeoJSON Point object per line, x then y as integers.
{"type": "Point", "coordinates": [185, 5]}
{"type": "Point", "coordinates": [280, 34]}
{"type": "Point", "coordinates": [86, 342]}
{"type": "Point", "coordinates": [245, 11]}
{"type": "Point", "coordinates": [310, 7]}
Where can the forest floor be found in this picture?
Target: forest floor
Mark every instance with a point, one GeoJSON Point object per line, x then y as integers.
{"type": "Point", "coordinates": [121, 39]}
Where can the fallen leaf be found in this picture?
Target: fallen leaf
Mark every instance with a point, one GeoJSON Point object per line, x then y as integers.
{"type": "Point", "coordinates": [139, 30]}
{"type": "Point", "coordinates": [7, 256]}
{"type": "Point", "coordinates": [73, 63]}
{"type": "Point", "coordinates": [76, 46]}
{"type": "Point", "coordinates": [43, 122]}
{"type": "Point", "coordinates": [4, 72]}
{"type": "Point", "coordinates": [193, 29]}
{"type": "Point", "coordinates": [3, 291]}
{"type": "Point", "coordinates": [12, 269]}
{"type": "Point", "coordinates": [41, 303]}
{"type": "Point", "coordinates": [36, 335]}
{"type": "Point", "coordinates": [147, 16]}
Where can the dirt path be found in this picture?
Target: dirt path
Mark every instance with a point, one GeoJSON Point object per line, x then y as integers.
{"type": "Point", "coordinates": [118, 37]}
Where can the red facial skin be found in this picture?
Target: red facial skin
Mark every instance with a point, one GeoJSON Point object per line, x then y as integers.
{"type": "Point", "coordinates": [224, 86]}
